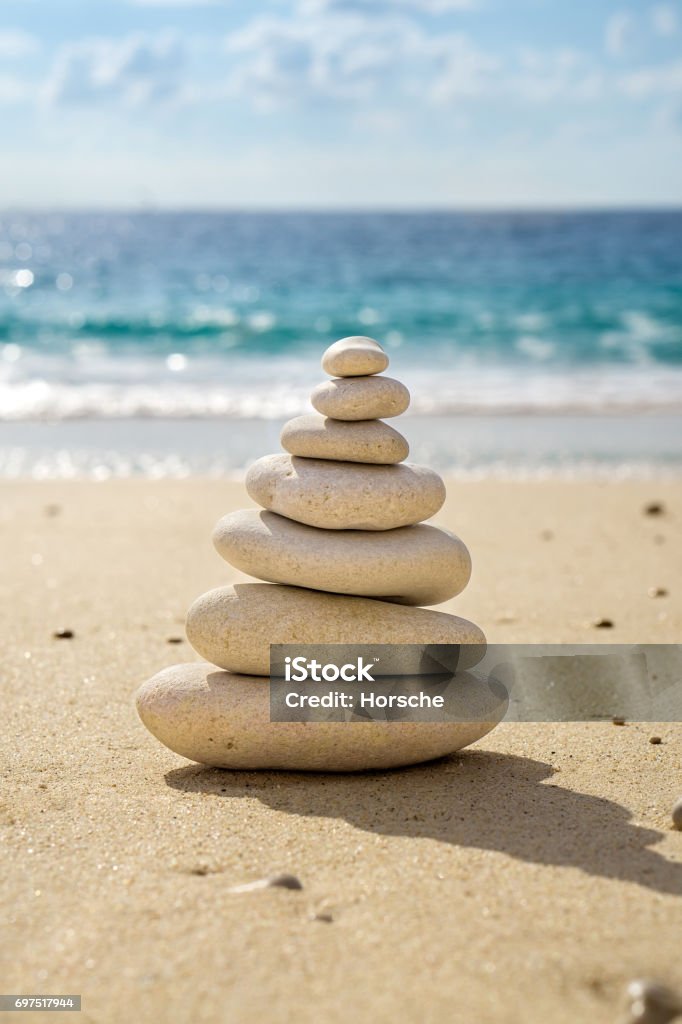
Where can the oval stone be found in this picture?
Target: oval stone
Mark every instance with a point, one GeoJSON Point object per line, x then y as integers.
{"type": "Point", "coordinates": [415, 565]}
{"type": "Point", "coordinates": [360, 398]}
{"type": "Point", "coordinates": [354, 357]}
{"type": "Point", "coordinates": [316, 437]}
{"type": "Point", "coordinates": [345, 495]}
{"type": "Point", "coordinates": [233, 627]}
{"type": "Point", "coordinates": [223, 720]}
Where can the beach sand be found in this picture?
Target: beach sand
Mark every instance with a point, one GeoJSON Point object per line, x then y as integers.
{"type": "Point", "coordinates": [525, 880]}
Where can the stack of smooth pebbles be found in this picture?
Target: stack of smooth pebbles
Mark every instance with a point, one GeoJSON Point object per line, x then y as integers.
{"type": "Point", "coordinates": [340, 538]}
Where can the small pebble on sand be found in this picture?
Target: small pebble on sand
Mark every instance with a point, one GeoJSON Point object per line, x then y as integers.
{"type": "Point", "coordinates": [677, 814]}
{"type": "Point", "coordinates": [283, 881]}
{"type": "Point", "coordinates": [649, 1002]}
{"type": "Point", "coordinates": [174, 640]}
{"type": "Point", "coordinates": [506, 617]}
{"type": "Point", "coordinates": [657, 592]}
{"type": "Point", "coordinates": [618, 720]}
{"type": "Point", "coordinates": [603, 624]}
{"type": "Point", "coordinates": [63, 634]}
{"type": "Point", "coordinates": [654, 508]}
{"type": "Point", "coordinates": [655, 740]}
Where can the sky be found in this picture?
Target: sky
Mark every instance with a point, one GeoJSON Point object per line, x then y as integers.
{"type": "Point", "coordinates": [340, 103]}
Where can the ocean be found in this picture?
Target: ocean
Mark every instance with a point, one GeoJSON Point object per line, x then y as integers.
{"type": "Point", "coordinates": [531, 342]}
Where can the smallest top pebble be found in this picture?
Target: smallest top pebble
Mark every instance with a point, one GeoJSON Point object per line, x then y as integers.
{"type": "Point", "coordinates": [354, 357]}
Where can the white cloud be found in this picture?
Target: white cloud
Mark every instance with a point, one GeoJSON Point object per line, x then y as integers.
{"type": "Point", "coordinates": [134, 70]}
{"type": "Point", "coordinates": [380, 122]}
{"type": "Point", "coordinates": [352, 57]}
{"type": "Point", "coordinates": [664, 20]}
{"type": "Point", "coordinates": [174, 3]}
{"type": "Point", "coordinates": [662, 80]}
{"type": "Point", "coordinates": [312, 7]}
{"type": "Point", "coordinates": [461, 69]}
{"type": "Point", "coordinates": [618, 33]}
{"type": "Point", "coordinates": [13, 90]}
{"type": "Point", "coordinates": [394, 62]}
{"type": "Point", "coordinates": [387, 71]}
{"type": "Point", "coordinates": [15, 44]}
{"type": "Point", "coordinates": [548, 75]}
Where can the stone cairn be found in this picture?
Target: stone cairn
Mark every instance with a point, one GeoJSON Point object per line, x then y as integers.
{"type": "Point", "coordinates": [340, 539]}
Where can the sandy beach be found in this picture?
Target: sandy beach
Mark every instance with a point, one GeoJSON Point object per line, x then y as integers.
{"type": "Point", "coordinates": [525, 880]}
{"type": "Point", "coordinates": [350, 271]}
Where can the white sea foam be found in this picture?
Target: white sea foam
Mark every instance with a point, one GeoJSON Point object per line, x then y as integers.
{"type": "Point", "coordinates": [89, 383]}
{"type": "Point", "coordinates": [638, 332]}
{"type": "Point", "coordinates": [536, 348]}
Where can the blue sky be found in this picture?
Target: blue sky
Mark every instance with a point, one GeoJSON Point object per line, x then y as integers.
{"type": "Point", "coordinates": [340, 103]}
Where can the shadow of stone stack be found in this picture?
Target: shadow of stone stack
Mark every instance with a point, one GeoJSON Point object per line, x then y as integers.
{"type": "Point", "coordinates": [340, 539]}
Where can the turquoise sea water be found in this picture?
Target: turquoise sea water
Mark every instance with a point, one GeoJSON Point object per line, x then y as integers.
{"type": "Point", "coordinates": [122, 318]}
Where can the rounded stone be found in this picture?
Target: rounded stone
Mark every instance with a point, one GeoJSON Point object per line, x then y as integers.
{"type": "Point", "coordinates": [316, 437]}
{"type": "Point", "coordinates": [354, 357]}
{"type": "Point", "coordinates": [414, 565]}
{"type": "Point", "coordinates": [360, 398]}
{"type": "Point", "coordinates": [233, 627]}
{"type": "Point", "coordinates": [223, 720]}
{"type": "Point", "coordinates": [345, 495]}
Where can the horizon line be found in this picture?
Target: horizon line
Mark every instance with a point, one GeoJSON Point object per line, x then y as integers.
{"type": "Point", "coordinates": [153, 208]}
